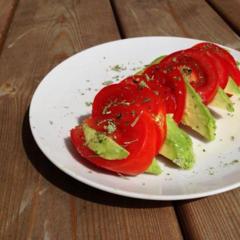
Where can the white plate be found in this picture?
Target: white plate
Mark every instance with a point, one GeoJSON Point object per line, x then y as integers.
{"type": "Point", "coordinates": [61, 101]}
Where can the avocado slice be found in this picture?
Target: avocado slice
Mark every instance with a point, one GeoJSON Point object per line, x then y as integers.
{"type": "Point", "coordinates": [157, 60]}
{"type": "Point", "coordinates": [154, 168]}
{"type": "Point", "coordinates": [108, 149]}
{"type": "Point", "coordinates": [103, 145]}
{"type": "Point", "coordinates": [178, 145]}
{"type": "Point", "coordinates": [221, 100]}
{"type": "Point", "coordinates": [232, 88]}
{"type": "Point", "coordinates": [197, 116]}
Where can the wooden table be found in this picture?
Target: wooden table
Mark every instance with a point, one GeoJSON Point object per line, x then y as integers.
{"type": "Point", "coordinates": [37, 200]}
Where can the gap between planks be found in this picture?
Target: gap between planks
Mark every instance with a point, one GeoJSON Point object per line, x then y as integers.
{"type": "Point", "coordinates": [225, 18]}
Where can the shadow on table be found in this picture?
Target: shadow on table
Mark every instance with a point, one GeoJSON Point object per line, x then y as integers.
{"type": "Point", "coordinates": [72, 186]}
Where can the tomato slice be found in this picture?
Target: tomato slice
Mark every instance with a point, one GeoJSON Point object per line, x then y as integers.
{"type": "Point", "coordinates": [159, 115]}
{"type": "Point", "coordinates": [234, 73]}
{"type": "Point", "coordinates": [226, 58]}
{"type": "Point", "coordinates": [199, 68]}
{"type": "Point", "coordinates": [170, 87]}
{"type": "Point", "coordinates": [130, 95]}
{"type": "Point", "coordinates": [206, 46]}
{"type": "Point", "coordinates": [138, 140]}
{"type": "Point", "coordinates": [220, 66]}
{"type": "Point", "coordinates": [135, 98]}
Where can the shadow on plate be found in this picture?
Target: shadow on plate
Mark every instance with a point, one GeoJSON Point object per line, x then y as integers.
{"type": "Point", "coordinates": [192, 133]}
{"type": "Point", "coordinates": [215, 113]}
{"type": "Point", "coordinates": [72, 186]}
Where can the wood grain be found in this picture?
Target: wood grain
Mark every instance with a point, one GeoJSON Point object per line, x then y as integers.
{"type": "Point", "coordinates": [229, 10]}
{"type": "Point", "coordinates": [184, 18]}
{"type": "Point", "coordinates": [38, 201]}
{"type": "Point", "coordinates": [216, 217]}
{"type": "Point", "coordinates": [7, 9]}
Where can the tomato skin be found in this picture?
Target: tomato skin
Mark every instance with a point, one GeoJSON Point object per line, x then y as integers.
{"type": "Point", "coordinates": [141, 152]}
{"type": "Point", "coordinates": [203, 76]}
{"type": "Point", "coordinates": [226, 58]}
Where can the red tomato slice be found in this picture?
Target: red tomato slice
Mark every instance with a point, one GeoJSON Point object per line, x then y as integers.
{"type": "Point", "coordinates": [137, 98]}
{"type": "Point", "coordinates": [170, 87]}
{"type": "Point", "coordinates": [227, 59]}
{"type": "Point", "coordinates": [126, 95]}
{"type": "Point", "coordinates": [220, 66]}
{"type": "Point", "coordinates": [216, 49]}
{"type": "Point", "coordinates": [138, 140]}
{"type": "Point", "coordinates": [234, 73]}
{"type": "Point", "coordinates": [159, 116]}
{"type": "Point", "coordinates": [199, 68]}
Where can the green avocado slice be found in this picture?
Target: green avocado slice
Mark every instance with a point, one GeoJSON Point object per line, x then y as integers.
{"type": "Point", "coordinates": [177, 146]}
{"type": "Point", "coordinates": [157, 60]}
{"type": "Point", "coordinates": [231, 87]}
{"type": "Point", "coordinates": [221, 100]}
{"type": "Point", "coordinates": [197, 116]}
{"type": "Point", "coordinates": [154, 168]}
{"type": "Point", "coordinates": [103, 145]}
{"type": "Point", "coordinates": [108, 149]}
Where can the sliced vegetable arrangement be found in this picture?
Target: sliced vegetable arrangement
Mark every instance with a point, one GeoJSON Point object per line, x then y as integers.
{"type": "Point", "coordinates": [138, 118]}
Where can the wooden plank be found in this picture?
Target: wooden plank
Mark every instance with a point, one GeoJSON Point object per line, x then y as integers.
{"type": "Point", "coordinates": [7, 9]}
{"type": "Point", "coordinates": [37, 200]}
{"type": "Point", "coordinates": [183, 18]}
{"type": "Point", "coordinates": [215, 217]}
{"type": "Point", "coordinates": [229, 10]}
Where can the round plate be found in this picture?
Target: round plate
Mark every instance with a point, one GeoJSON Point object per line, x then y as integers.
{"type": "Point", "coordinates": [63, 99]}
